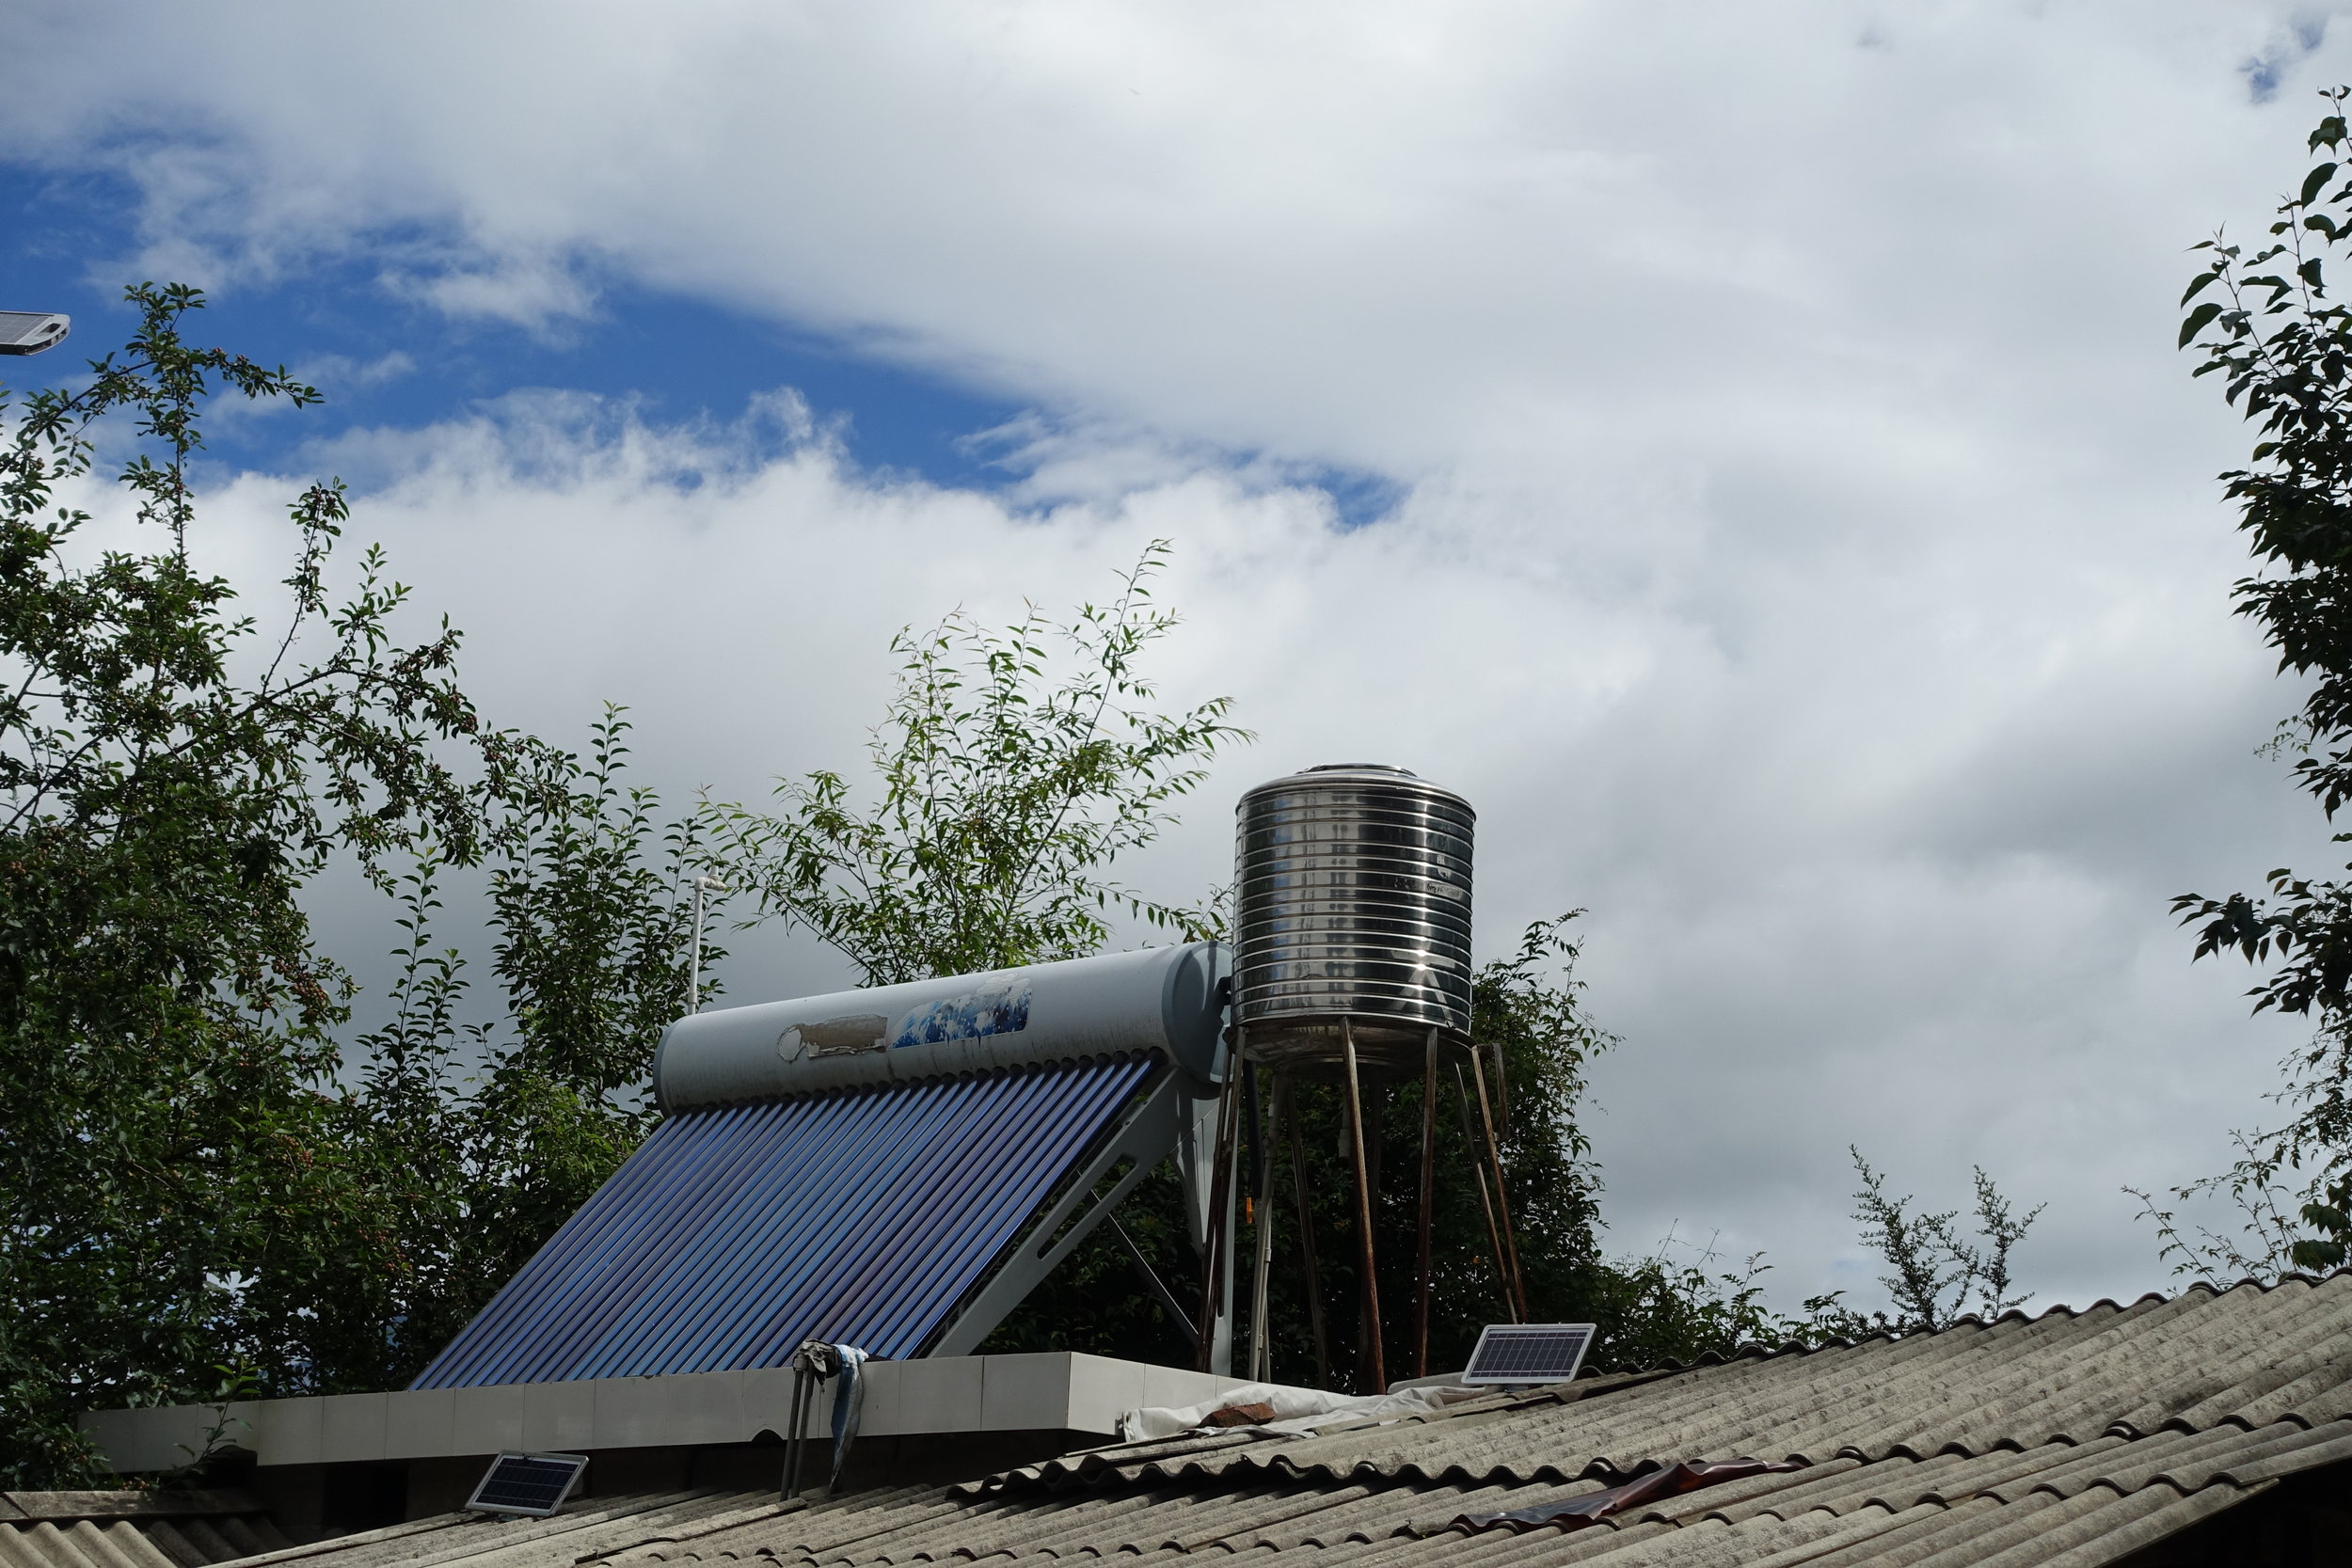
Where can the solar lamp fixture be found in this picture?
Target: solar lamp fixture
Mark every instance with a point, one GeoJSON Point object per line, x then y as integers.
{"type": "Point", "coordinates": [31, 331]}
{"type": "Point", "coordinates": [1527, 1355]}
{"type": "Point", "coordinates": [528, 1485]}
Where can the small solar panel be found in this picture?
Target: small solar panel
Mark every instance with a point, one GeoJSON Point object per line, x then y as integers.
{"type": "Point", "coordinates": [533, 1484]}
{"type": "Point", "coordinates": [1529, 1353]}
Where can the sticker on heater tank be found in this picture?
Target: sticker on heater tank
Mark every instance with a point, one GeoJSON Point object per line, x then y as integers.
{"type": "Point", "coordinates": [999, 1009]}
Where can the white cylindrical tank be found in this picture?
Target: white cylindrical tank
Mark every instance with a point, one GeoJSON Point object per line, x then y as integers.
{"type": "Point", "coordinates": [1160, 999]}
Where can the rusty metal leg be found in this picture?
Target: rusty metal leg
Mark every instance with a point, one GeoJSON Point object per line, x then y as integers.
{"type": "Point", "coordinates": [1220, 1199]}
{"type": "Point", "coordinates": [1502, 1203]}
{"type": "Point", "coordinates": [1262, 1353]}
{"type": "Point", "coordinates": [1375, 1371]}
{"type": "Point", "coordinates": [1285, 1112]}
{"type": "Point", "coordinates": [1428, 1197]}
{"type": "Point", "coordinates": [1486, 1201]}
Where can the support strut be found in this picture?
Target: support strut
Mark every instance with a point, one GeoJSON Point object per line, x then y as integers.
{"type": "Point", "coordinates": [1428, 1192]}
{"type": "Point", "coordinates": [1219, 1227]}
{"type": "Point", "coordinates": [1376, 1369]}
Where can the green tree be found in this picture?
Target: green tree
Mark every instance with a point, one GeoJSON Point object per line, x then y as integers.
{"type": "Point", "coordinates": [1935, 1273]}
{"type": "Point", "coordinates": [478, 1139]}
{"type": "Point", "coordinates": [1004, 795]}
{"type": "Point", "coordinates": [2266, 324]}
{"type": "Point", "coordinates": [168, 781]}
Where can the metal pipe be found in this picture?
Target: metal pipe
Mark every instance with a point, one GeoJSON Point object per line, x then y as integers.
{"type": "Point", "coordinates": [704, 883]}
{"type": "Point", "coordinates": [1166, 1298]}
{"type": "Point", "coordinates": [805, 1384]}
{"type": "Point", "coordinates": [1220, 1198]}
{"type": "Point", "coordinates": [1486, 1201]}
{"type": "Point", "coordinates": [1366, 1259]}
{"type": "Point", "coordinates": [1502, 1095]}
{"type": "Point", "coordinates": [1261, 1144]}
{"type": "Point", "coordinates": [1428, 1192]}
{"type": "Point", "coordinates": [1286, 1115]}
{"type": "Point", "coordinates": [1503, 1201]}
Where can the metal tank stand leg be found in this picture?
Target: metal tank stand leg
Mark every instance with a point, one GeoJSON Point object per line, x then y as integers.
{"type": "Point", "coordinates": [1285, 1112]}
{"type": "Point", "coordinates": [1428, 1189]}
{"type": "Point", "coordinates": [1221, 1224]}
{"type": "Point", "coordinates": [1503, 1204]}
{"type": "Point", "coordinates": [1262, 1353]}
{"type": "Point", "coordinates": [1377, 1371]}
{"type": "Point", "coordinates": [1486, 1201]}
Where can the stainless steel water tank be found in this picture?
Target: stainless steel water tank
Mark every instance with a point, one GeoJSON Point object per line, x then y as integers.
{"type": "Point", "coordinates": [1352, 901]}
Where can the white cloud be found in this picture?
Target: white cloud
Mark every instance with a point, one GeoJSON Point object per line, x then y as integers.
{"type": "Point", "coordinates": [1807, 556]}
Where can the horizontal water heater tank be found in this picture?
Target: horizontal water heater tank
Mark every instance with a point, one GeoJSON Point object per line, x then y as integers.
{"type": "Point", "coordinates": [1352, 903]}
{"type": "Point", "coordinates": [1159, 999]}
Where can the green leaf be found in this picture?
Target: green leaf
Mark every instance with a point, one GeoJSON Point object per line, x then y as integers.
{"type": "Point", "coordinates": [2198, 284]}
{"type": "Point", "coordinates": [2198, 321]}
{"type": "Point", "coordinates": [2314, 183]}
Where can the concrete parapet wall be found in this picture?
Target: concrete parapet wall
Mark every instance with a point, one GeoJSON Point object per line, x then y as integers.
{"type": "Point", "coordinates": [1052, 1391]}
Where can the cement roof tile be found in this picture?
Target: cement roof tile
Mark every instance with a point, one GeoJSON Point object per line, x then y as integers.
{"type": "Point", "coordinates": [1830, 1535]}
{"type": "Point", "coordinates": [530, 1543]}
{"type": "Point", "coordinates": [2115, 1527]}
{"type": "Point", "coordinates": [2221, 1356]}
{"type": "Point", "coordinates": [2334, 1447]}
{"type": "Point", "coordinates": [2188, 1460]}
{"type": "Point", "coordinates": [1767, 1494]}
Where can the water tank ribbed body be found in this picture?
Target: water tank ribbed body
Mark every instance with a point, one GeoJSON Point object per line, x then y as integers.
{"type": "Point", "coordinates": [1352, 902]}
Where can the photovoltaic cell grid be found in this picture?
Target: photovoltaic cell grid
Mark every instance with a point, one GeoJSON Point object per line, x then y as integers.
{"type": "Point", "coordinates": [735, 1233]}
{"type": "Point", "coordinates": [1529, 1353]}
{"type": "Point", "coordinates": [533, 1484]}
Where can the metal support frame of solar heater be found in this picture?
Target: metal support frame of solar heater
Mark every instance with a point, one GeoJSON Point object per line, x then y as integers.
{"type": "Point", "coordinates": [1152, 1131]}
{"type": "Point", "coordinates": [1216, 1273]}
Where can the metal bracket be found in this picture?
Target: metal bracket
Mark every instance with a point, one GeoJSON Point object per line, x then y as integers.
{"type": "Point", "coordinates": [1149, 1136]}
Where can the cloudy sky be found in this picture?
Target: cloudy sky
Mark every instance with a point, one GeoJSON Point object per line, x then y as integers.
{"type": "Point", "coordinates": [1737, 446]}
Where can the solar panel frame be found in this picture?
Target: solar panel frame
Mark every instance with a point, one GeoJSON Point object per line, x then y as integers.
{"type": "Point", "coordinates": [528, 1485]}
{"type": "Point", "coordinates": [1513, 1353]}
{"type": "Point", "coordinates": [736, 1233]}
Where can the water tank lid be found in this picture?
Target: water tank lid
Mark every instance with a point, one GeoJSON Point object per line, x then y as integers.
{"type": "Point", "coordinates": [1375, 776]}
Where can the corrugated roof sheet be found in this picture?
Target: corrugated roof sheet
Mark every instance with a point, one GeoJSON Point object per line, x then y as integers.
{"type": "Point", "coordinates": [2070, 1440]}
{"type": "Point", "coordinates": [733, 1234]}
{"type": "Point", "coordinates": [2249, 1356]}
{"type": "Point", "coordinates": [132, 1529]}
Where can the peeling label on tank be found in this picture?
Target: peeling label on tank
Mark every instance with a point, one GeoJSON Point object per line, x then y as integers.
{"type": "Point", "coordinates": [834, 1036]}
{"type": "Point", "coordinates": [999, 1009]}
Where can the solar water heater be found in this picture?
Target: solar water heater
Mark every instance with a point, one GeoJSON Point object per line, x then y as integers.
{"type": "Point", "coordinates": [894, 1167]}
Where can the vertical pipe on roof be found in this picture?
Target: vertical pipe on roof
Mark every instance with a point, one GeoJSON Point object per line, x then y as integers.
{"type": "Point", "coordinates": [1428, 1193]}
{"type": "Point", "coordinates": [1262, 1353]}
{"type": "Point", "coordinates": [1212, 1259]}
{"type": "Point", "coordinates": [1374, 1371]}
